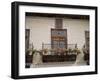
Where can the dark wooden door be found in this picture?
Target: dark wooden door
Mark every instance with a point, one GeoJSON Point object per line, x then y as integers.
{"type": "Point", "coordinates": [87, 41]}
{"type": "Point", "coordinates": [87, 38]}
{"type": "Point", "coordinates": [28, 58]}
{"type": "Point", "coordinates": [27, 36]}
{"type": "Point", "coordinates": [59, 38]}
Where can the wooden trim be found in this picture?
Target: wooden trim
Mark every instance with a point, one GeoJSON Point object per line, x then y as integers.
{"type": "Point", "coordinates": [69, 16]}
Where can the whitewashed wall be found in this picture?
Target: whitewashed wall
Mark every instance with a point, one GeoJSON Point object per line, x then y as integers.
{"type": "Point", "coordinates": [76, 30]}
{"type": "Point", "coordinates": [40, 30]}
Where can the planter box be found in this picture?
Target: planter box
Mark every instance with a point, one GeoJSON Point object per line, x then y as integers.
{"type": "Point", "coordinates": [58, 58]}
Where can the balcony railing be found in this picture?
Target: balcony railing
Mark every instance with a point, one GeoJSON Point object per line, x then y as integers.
{"type": "Point", "coordinates": [49, 46]}
{"type": "Point", "coordinates": [55, 49]}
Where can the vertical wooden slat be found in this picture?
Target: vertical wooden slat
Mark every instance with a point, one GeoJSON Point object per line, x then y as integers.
{"type": "Point", "coordinates": [58, 23]}
{"type": "Point", "coordinates": [27, 36]}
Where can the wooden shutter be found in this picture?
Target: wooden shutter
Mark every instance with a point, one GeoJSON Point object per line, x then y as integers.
{"type": "Point", "coordinates": [58, 23]}
{"type": "Point", "coordinates": [87, 39]}
{"type": "Point", "coordinates": [27, 35]}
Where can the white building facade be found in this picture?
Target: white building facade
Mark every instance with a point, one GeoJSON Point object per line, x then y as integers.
{"type": "Point", "coordinates": [40, 30]}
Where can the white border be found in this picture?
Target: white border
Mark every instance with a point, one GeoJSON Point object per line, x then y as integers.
{"type": "Point", "coordinates": [53, 70]}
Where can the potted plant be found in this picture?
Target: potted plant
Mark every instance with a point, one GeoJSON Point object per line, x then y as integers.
{"type": "Point", "coordinates": [76, 50]}
{"type": "Point", "coordinates": [70, 51]}
{"type": "Point", "coordinates": [65, 51]}
{"type": "Point", "coordinates": [45, 51]}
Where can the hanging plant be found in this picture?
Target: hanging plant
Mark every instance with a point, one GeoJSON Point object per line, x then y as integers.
{"type": "Point", "coordinates": [76, 50]}
{"type": "Point", "coordinates": [33, 51]}
{"type": "Point", "coordinates": [66, 50]}
{"type": "Point", "coordinates": [70, 50]}
{"type": "Point", "coordinates": [45, 50]}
